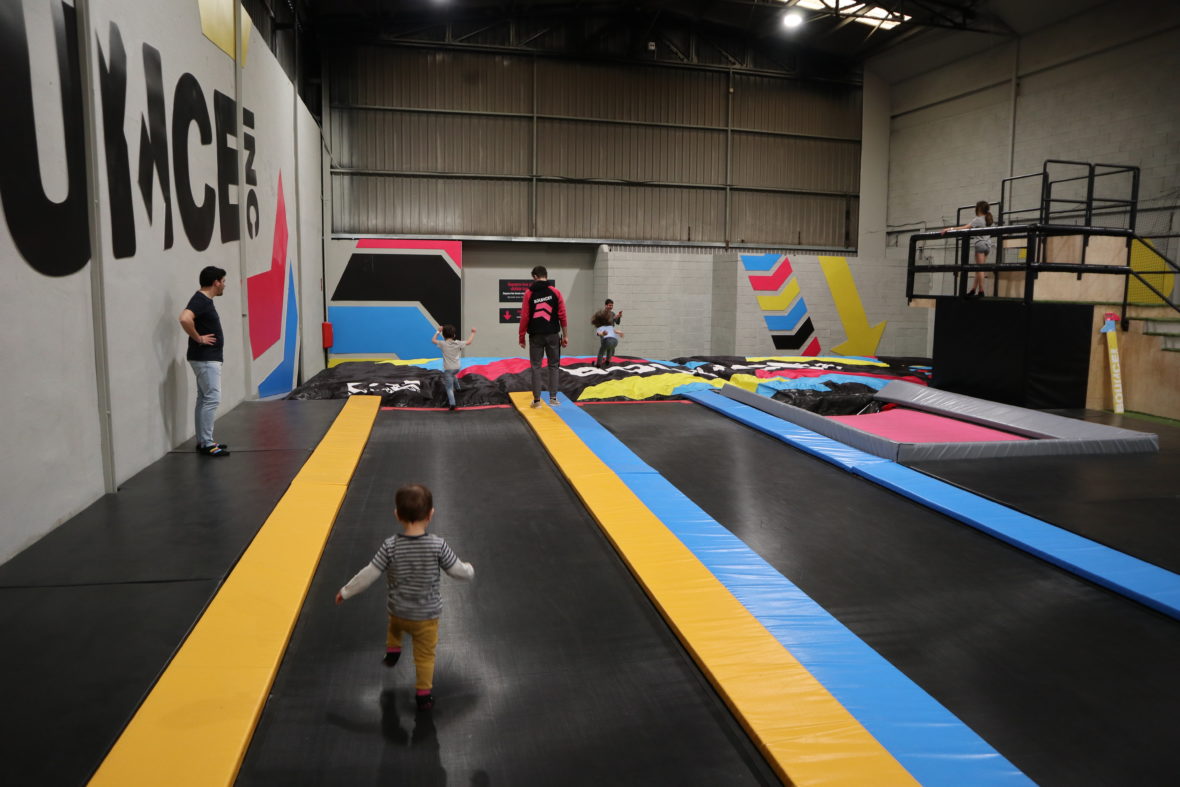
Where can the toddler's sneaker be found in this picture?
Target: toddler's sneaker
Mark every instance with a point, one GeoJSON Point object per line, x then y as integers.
{"type": "Point", "coordinates": [425, 701]}
{"type": "Point", "coordinates": [391, 657]}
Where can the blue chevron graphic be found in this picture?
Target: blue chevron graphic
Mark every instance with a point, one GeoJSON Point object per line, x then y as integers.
{"type": "Point", "coordinates": [789, 321]}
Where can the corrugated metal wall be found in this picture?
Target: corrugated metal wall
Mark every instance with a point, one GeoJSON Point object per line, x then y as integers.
{"type": "Point", "coordinates": [440, 142]}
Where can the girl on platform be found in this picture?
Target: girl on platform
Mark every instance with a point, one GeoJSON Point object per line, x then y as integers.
{"type": "Point", "coordinates": [982, 243]}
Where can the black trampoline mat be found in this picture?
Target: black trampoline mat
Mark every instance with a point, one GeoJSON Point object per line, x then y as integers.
{"type": "Point", "coordinates": [76, 663]}
{"type": "Point", "coordinates": [553, 667]}
{"type": "Point", "coordinates": [1130, 502]}
{"type": "Point", "coordinates": [1073, 684]}
{"type": "Point", "coordinates": [272, 425]}
{"type": "Point", "coordinates": [91, 613]}
{"type": "Point", "coordinates": [185, 517]}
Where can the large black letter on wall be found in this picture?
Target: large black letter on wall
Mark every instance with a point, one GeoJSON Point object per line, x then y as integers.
{"type": "Point", "coordinates": [225, 113]}
{"type": "Point", "coordinates": [188, 106]}
{"type": "Point", "coordinates": [53, 237]}
{"type": "Point", "coordinates": [112, 81]}
{"type": "Point", "coordinates": [153, 141]}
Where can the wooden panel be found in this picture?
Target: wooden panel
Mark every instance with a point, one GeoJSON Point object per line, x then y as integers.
{"type": "Point", "coordinates": [1151, 375]}
{"type": "Point", "coordinates": [1091, 288]}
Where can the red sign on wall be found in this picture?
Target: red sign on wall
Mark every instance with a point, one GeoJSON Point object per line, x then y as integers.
{"type": "Point", "coordinates": [509, 315]}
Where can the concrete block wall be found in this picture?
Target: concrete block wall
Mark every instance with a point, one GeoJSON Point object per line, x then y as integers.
{"type": "Point", "coordinates": [1099, 87]}
{"type": "Point", "coordinates": [677, 304]}
{"type": "Point", "coordinates": [665, 297]}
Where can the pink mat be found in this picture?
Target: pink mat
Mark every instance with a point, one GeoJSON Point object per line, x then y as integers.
{"type": "Point", "coordinates": [914, 426]}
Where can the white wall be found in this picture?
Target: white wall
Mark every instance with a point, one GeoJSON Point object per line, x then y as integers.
{"type": "Point", "coordinates": [1099, 87]}
{"type": "Point", "coordinates": [311, 245]}
{"type": "Point", "coordinates": [47, 350]}
{"type": "Point", "coordinates": [680, 303]}
{"type": "Point", "coordinates": [665, 296]}
{"type": "Point", "coordinates": [485, 263]}
{"type": "Point", "coordinates": [151, 400]}
{"type": "Point", "coordinates": [51, 378]}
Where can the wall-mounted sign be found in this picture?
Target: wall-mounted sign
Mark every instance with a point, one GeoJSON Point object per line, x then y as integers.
{"type": "Point", "coordinates": [513, 290]}
{"type": "Point", "coordinates": [509, 315]}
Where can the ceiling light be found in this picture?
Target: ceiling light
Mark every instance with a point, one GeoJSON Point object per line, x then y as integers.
{"type": "Point", "coordinates": [864, 13]}
{"type": "Point", "coordinates": [792, 19]}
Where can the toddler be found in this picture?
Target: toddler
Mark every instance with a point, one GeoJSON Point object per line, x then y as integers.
{"type": "Point", "coordinates": [412, 562]}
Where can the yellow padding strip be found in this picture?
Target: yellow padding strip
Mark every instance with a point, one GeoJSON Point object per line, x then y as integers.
{"type": "Point", "coordinates": [195, 725]}
{"type": "Point", "coordinates": [805, 734]}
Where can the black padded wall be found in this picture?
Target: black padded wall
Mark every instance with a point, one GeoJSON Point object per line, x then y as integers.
{"type": "Point", "coordinates": [1035, 355]}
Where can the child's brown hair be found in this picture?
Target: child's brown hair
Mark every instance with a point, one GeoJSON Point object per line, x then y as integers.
{"type": "Point", "coordinates": [414, 503]}
{"type": "Point", "coordinates": [449, 332]}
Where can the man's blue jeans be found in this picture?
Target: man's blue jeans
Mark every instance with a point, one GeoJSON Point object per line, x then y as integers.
{"type": "Point", "coordinates": [208, 398]}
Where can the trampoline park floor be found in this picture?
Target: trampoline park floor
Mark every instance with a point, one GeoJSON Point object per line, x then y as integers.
{"type": "Point", "coordinates": [1130, 502]}
{"type": "Point", "coordinates": [583, 681]}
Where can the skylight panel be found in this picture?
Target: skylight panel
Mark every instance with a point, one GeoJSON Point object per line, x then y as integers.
{"type": "Point", "coordinates": [866, 14]}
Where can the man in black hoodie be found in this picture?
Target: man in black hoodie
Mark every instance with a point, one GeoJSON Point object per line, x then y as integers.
{"type": "Point", "coordinates": [542, 317]}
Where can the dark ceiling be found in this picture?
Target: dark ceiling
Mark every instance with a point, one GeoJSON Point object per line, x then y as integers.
{"type": "Point", "coordinates": [740, 34]}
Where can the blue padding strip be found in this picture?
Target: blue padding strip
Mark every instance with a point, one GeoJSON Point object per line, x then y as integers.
{"type": "Point", "coordinates": [929, 742]}
{"type": "Point", "coordinates": [380, 330]}
{"type": "Point", "coordinates": [1128, 576]}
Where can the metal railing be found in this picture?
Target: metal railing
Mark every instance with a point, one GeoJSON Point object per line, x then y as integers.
{"type": "Point", "coordinates": [1034, 237]}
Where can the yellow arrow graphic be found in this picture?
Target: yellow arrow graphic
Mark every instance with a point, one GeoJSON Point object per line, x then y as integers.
{"type": "Point", "coordinates": [862, 338]}
{"type": "Point", "coordinates": [782, 301]}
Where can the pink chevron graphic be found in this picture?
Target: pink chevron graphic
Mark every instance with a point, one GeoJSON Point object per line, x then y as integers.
{"type": "Point", "coordinates": [544, 311]}
{"type": "Point", "coordinates": [813, 348]}
{"type": "Point", "coordinates": [264, 291]}
{"type": "Point", "coordinates": [451, 248]}
{"type": "Point", "coordinates": [775, 281]}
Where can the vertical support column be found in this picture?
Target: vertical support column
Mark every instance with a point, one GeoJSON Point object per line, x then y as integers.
{"type": "Point", "coordinates": [533, 173]}
{"type": "Point", "coordinates": [1012, 112]}
{"type": "Point", "coordinates": [247, 357]}
{"type": "Point", "coordinates": [728, 150]}
{"type": "Point", "coordinates": [298, 212]}
{"type": "Point", "coordinates": [98, 310]}
{"type": "Point", "coordinates": [873, 210]}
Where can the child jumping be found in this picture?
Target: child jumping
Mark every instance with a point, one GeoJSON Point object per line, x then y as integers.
{"type": "Point", "coordinates": [604, 327]}
{"type": "Point", "coordinates": [452, 351]}
{"type": "Point", "coordinates": [412, 562]}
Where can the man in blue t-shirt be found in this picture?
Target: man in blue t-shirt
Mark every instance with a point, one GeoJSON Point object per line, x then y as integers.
{"type": "Point", "coordinates": [205, 341]}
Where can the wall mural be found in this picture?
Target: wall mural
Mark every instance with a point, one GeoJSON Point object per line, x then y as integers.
{"type": "Point", "coordinates": [52, 237]}
{"type": "Point", "coordinates": [862, 338]}
{"type": "Point", "coordinates": [782, 303]}
{"type": "Point", "coordinates": [266, 304]}
{"type": "Point", "coordinates": [786, 314]}
{"type": "Point", "coordinates": [392, 293]}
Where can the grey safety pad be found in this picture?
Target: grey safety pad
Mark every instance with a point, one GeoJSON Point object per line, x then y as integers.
{"type": "Point", "coordinates": [1052, 435]}
{"type": "Point", "coordinates": [864, 441]}
{"type": "Point", "coordinates": [1017, 420]}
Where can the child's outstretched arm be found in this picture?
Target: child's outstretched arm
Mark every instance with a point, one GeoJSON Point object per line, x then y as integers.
{"type": "Point", "coordinates": [471, 338]}
{"type": "Point", "coordinates": [365, 577]}
{"type": "Point", "coordinates": [435, 338]}
{"type": "Point", "coordinates": [460, 570]}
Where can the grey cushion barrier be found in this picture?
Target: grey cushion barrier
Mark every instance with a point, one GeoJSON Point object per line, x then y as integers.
{"type": "Point", "coordinates": [1049, 434]}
